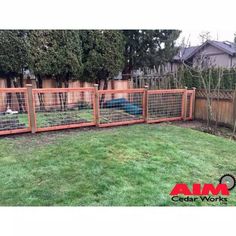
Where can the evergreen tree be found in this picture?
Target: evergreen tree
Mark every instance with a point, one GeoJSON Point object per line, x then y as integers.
{"type": "Point", "coordinates": [14, 56]}
{"type": "Point", "coordinates": [14, 59]}
{"type": "Point", "coordinates": [103, 55]}
{"type": "Point", "coordinates": [148, 48]}
{"type": "Point", "coordinates": [56, 53]}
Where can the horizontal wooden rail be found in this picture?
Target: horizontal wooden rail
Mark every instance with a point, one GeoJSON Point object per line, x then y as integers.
{"type": "Point", "coordinates": [166, 91]}
{"type": "Point", "coordinates": [190, 91]}
{"type": "Point", "coordinates": [121, 123]}
{"type": "Point", "coordinates": [60, 127]}
{"type": "Point", "coordinates": [14, 131]}
{"type": "Point", "coordinates": [58, 90]}
{"type": "Point", "coordinates": [12, 90]}
{"type": "Point", "coordinates": [121, 91]}
{"type": "Point", "coordinates": [164, 120]}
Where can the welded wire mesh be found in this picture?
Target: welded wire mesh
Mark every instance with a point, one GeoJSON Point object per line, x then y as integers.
{"type": "Point", "coordinates": [68, 108]}
{"type": "Point", "coordinates": [120, 107]}
{"type": "Point", "coordinates": [13, 111]}
{"type": "Point", "coordinates": [63, 108]}
{"type": "Point", "coordinates": [164, 106]}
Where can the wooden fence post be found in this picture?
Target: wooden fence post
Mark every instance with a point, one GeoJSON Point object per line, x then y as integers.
{"type": "Point", "coordinates": [96, 104]}
{"type": "Point", "coordinates": [185, 103]}
{"type": "Point", "coordinates": [31, 111]}
{"type": "Point", "coordinates": [145, 104]}
{"type": "Point", "coordinates": [194, 100]}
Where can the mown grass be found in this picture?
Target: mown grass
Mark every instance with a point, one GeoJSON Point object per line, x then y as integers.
{"type": "Point", "coordinates": [125, 166]}
{"type": "Point", "coordinates": [45, 119]}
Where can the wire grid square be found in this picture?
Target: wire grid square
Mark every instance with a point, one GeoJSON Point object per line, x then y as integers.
{"type": "Point", "coordinates": [64, 108]}
{"type": "Point", "coordinates": [13, 111]}
{"type": "Point", "coordinates": [164, 105]}
{"type": "Point", "coordinates": [116, 107]}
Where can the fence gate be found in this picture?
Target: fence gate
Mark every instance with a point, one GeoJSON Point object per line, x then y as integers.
{"type": "Point", "coordinates": [14, 115]}
{"type": "Point", "coordinates": [62, 108]}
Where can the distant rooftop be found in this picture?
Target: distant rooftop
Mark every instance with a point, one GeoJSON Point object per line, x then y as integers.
{"type": "Point", "coordinates": [186, 53]}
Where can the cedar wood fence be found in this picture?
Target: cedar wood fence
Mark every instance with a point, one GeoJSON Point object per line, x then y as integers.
{"type": "Point", "coordinates": [36, 110]}
{"type": "Point", "coordinates": [223, 105]}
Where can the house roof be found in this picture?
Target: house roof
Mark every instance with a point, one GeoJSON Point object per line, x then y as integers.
{"type": "Point", "coordinates": [225, 46]}
{"type": "Point", "coordinates": [184, 53]}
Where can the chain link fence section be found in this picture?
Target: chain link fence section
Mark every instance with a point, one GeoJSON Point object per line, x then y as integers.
{"type": "Point", "coordinates": [14, 116]}
{"type": "Point", "coordinates": [165, 105]}
{"type": "Point", "coordinates": [63, 108]}
{"type": "Point", "coordinates": [119, 107]}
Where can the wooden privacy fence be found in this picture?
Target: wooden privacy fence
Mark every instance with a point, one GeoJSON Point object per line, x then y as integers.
{"type": "Point", "coordinates": [36, 110]}
{"type": "Point", "coordinates": [223, 105]}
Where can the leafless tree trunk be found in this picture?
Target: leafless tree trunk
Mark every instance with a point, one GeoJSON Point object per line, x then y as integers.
{"type": "Point", "coordinates": [18, 83]}
{"type": "Point", "coordinates": [220, 73]}
{"type": "Point", "coordinates": [205, 75]}
{"type": "Point", "coordinates": [39, 84]}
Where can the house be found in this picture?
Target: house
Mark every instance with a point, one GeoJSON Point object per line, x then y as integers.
{"type": "Point", "coordinates": [209, 54]}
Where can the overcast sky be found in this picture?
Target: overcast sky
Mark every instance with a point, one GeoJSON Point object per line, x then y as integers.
{"type": "Point", "coordinates": [194, 39]}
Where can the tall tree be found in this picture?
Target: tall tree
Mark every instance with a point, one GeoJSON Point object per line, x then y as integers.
{"type": "Point", "coordinates": [148, 48]}
{"type": "Point", "coordinates": [103, 55]}
{"type": "Point", "coordinates": [58, 54]}
{"type": "Point", "coordinates": [14, 54]}
{"type": "Point", "coordinates": [14, 59]}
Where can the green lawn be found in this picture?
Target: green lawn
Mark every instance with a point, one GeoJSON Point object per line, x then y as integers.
{"type": "Point", "coordinates": [45, 119]}
{"type": "Point", "coordinates": [123, 166]}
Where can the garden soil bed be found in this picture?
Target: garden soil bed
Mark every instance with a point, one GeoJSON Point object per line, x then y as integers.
{"type": "Point", "coordinates": [115, 115]}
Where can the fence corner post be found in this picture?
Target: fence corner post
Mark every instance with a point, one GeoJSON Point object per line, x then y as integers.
{"type": "Point", "coordinates": [96, 104]}
{"type": "Point", "coordinates": [194, 101]}
{"type": "Point", "coordinates": [31, 111]}
{"type": "Point", "coordinates": [184, 104]}
{"type": "Point", "coordinates": [145, 104]}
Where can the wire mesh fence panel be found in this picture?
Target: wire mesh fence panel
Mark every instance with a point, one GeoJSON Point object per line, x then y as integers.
{"type": "Point", "coordinates": [14, 111]}
{"type": "Point", "coordinates": [63, 108]}
{"type": "Point", "coordinates": [165, 105]}
{"type": "Point", "coordinates": [118, 107]}
{"type": "Point", "coordinates": [189, 112]}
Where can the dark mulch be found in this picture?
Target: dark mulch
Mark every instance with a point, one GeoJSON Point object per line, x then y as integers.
{"type": "Point", "coordinates": [202, 126]}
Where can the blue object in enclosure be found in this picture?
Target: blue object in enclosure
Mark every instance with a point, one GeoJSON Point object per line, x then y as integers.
{"type": "Point", "coordinates": [116, 103]}
{"type": "Point", "coordinates": [122, 103]}
{"type": "Point", "coordinates": [132, 109]}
